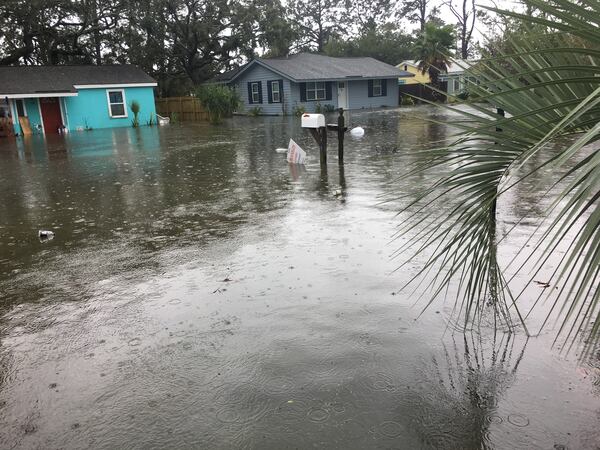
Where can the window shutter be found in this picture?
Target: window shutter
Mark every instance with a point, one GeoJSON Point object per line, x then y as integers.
{"type": "Point", "coordinates": [260, 97]}
{"type": "Point", "coordinates": [269, 92]}
{"type": "Point", "coordinates": [302, 92]}
{"type": "Point", "coordinates": [384, 87]}
{"type": "Point", "coordinates": [281, 91]}
{"type": "Point", "coordinates": [328, 90]}
{"type": "Point", "coordinates": [370, 87]}
{"type": "Point", "coordinates": [250, 93]}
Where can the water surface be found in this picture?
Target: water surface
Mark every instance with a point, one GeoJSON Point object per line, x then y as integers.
{"type": "Point", "coordinates": [202, 293]}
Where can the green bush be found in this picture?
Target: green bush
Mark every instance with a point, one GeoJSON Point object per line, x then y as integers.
{"type": "Point", "coordinates": [219, 101]}
{"type": "Point", "coordinates": [299, 110]}
{"type": "Point", "coordinates": [256, 111]}
{"type": "Point", "coordinates": [407, 101]}
{"type": "Point", "coordinates": [318, 108]}
{"type": "Point", "coordinates": [463, 95]}
{"type": "Point", "coordinates": [135, 109]}
{"type": "Point", "coordinates": [328, 108]}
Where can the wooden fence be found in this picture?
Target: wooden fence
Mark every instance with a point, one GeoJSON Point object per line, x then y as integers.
{"type": "Point", "coordinates": [184, 108]}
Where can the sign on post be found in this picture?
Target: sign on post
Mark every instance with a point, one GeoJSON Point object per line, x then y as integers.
{"type": "Point", "coordinates": [295, 154]}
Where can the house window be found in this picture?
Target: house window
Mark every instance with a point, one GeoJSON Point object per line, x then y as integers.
{"type": "Point", "coordinates": [255, 93]}
{"type": "Point", "coordinates": [116, 103]}
{"type": "Point", "coordinates": [315, 91]}
{"type": "Point", "coordinates": [275, 94]}
{"type": "Point", "coordinates": [377, 89]}
{"type": "Point", "coordinates": [456, 85]}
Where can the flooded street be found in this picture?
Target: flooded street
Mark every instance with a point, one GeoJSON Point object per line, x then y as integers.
{"type": "Point", "coordinates": [202, 293]}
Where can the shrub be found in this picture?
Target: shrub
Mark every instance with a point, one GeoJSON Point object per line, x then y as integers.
{"type": "Point", "coordinates": [328, 108]}
{"type": "Point", "coordinates": [318, 108]}
{"type": "Point", "coordinates": [218, 100]}
{"type": "Point", "coordinates": [407, 100]}
{"type": "Point", "coordinates": [299, 110]}
{"type": "Point", "coordinates": [135, 109]}
{"type": "Point", "coordinates": [256, 111]}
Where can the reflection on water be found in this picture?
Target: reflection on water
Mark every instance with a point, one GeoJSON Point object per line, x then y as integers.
{"type": "Point", "coordinates": [201, 292]}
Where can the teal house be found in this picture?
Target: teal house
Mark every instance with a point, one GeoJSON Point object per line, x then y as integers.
{"type": "Point", "coordinates": [57, 99]}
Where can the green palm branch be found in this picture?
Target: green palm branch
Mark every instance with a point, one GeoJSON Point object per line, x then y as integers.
{"type": "Point", "coordinates": [551, 97]}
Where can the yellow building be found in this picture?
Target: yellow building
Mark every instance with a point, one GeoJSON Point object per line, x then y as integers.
{"type": "Point", "coordinates": [412, 67]}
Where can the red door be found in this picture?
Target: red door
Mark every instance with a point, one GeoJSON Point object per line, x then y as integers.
{"type": "Point", "coordinates": [51, 114]}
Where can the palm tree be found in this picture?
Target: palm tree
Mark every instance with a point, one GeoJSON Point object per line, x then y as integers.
{"type": "Point", "coordinates": [551, 96]}
{"type": "Point", "coordinates": [432, 50]}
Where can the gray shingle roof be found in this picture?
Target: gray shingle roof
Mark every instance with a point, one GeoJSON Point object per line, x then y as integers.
{"type": "Point", "coordinates": [16, 80]}
{"type": "Point", "coordinates": [310, 66]}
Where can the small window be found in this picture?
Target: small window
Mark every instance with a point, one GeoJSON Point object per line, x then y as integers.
{"type": "Point", "coordinates": [116, 103]}
{"type": "Point", "coordinates": [456, 85]}
{"type": "Point", "coordinates": [405, 67]}
{"type": "Point", "coordinates": [342, 85]}
{"type": "Point", "coordinates": [377, 90]}
{"type": "Point", "coordinates": [20, 108]}
{"type": "Point", "coordinates": [315, 91]}
{"type": "Point", "coordinates": [255, 93]}
{"type": "Point", "coordinates": [275, 94]}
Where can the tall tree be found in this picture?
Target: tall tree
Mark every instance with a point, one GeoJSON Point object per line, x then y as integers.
{"type": "Point", "coordinates": [465, 13]}
{"type": "Point", "coordinates": [433, 49]}
{"type": "Point", "coordinates": [317, 21]}
{"type": "Point", "coordinates": [419, 11]}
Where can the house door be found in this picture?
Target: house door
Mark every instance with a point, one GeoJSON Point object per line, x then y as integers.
{"type": "Point", "coordinates": [342, 95]}
{"type": "Point", "coordinates": [51, 117]}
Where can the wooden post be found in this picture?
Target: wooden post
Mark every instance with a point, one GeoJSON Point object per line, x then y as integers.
{"type": "Point", "coordinates": [340, 132]}
{"type": "Point", "coordinates": [323, 145]}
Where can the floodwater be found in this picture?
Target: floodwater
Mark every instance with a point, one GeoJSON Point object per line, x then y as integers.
{"type": "Point", "coordinates": [202, 293]}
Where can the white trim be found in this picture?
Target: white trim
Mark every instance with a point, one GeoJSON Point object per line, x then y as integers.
{"type": "Point", "coordinates": [13, 109]}
{"type": "Point", "coordinates": [112, 86]}
{"type": "Point", "coordinates": [41, 117]}
{"type": "Point", "coordinates": [62, 114]}
{"type": "Point", "coordinates": [122, 91]}
{"type": "Point", "coordinates": [252, 92]}
{"type": "Point", "coordinates": [380, 88]}
{"type": "Point", "coordinates": [65, 116]}
{"type": "Point", "coordinates": [273, 84]}
{"type": "Point", "coordinates": [40, 94]}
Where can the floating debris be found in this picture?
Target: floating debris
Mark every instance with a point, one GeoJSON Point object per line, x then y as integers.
{"type": "Point", "coordinates": [45, 235]}
{"type": "Point", "coordinates": [542, 284]}
{"type": "Point", "coordinates": [357, 131]}
{"type": "Point", "coordinates": [281, 150]}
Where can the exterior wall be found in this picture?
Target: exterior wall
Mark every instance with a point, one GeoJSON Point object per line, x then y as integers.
{"type": "Point", "coordinates": [417, 79]}
{"type": "Point", "coordinates": [262, 74]}
{"type": "Point", "coordinates": [90, 108]}
{"type": "Point", "coordinates": [310, 106]}
{"type": "Point", "coordinates": [358, 95]}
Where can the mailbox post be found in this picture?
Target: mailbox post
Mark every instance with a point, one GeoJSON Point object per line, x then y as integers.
{"type": "Point", "coordinates": [315, 123]}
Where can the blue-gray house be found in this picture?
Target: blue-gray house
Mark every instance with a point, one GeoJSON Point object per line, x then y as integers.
{"type": "Point", "coordinates": [278, 85]}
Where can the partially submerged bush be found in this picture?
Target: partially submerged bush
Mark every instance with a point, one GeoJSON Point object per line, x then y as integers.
{"type": "Point", "coordinates": [407, 101]}
{"type": "Point", "coordinates": [219, 101]}
{"type": "Point", "coordinates": [299, 110]}
{"type": "Point", "coordinates": [135, 109]}
{"type": "Point", "coordinates": [256, 111]}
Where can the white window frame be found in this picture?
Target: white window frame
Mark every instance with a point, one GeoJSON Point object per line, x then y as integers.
{"type": "Point", "coordinates": [457, 85]}
{"type": "Point", "coordinates": [122, 91]}
{"type": "Point", "coordinates": [275, 91]}
{"type": "Point", "coordinates": [257, 92]}
{"type": "Point", "coordinates": [314, 88]}
{"type": "Point", "coordinates": [377, 84]}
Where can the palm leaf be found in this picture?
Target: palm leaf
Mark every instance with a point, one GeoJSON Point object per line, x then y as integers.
{"type": "Point", "coordinates": [551, 97]}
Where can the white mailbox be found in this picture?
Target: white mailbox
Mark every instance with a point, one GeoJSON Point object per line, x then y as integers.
{"type": "Point", "coordinates": [313, 120]}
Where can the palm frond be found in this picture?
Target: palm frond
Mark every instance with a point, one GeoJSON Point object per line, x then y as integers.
{"type": "Point", "coordinates": [551, 100]}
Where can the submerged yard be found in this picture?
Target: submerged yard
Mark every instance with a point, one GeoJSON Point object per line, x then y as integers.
{"type": "Point", "coordinates": [201, 293]}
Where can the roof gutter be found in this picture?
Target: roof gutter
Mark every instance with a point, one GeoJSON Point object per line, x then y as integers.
{"type": "Point", "coordinates": [40, 94]}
